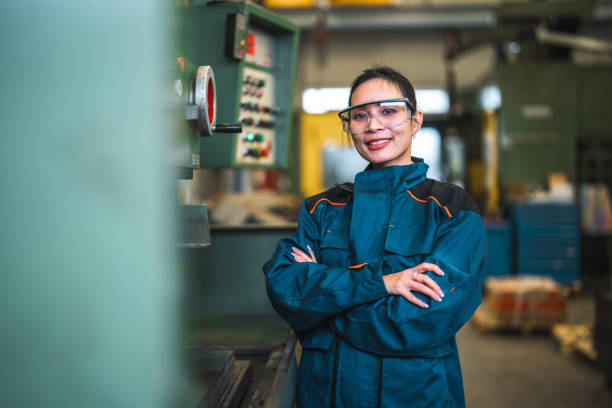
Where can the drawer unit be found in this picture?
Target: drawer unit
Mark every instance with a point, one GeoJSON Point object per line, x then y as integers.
{"type": "Point", "coordinates": [499, 249]}
{"type": "Point", "coordinates": [547, 240]}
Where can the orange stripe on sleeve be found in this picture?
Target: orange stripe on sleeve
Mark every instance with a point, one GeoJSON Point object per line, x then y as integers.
{"type": "Point", "coordinates": [324, 199]}
{"type": "Point", "coordinates": [431, 198]}
{"type": "Point", "coordinates": [358, 266]}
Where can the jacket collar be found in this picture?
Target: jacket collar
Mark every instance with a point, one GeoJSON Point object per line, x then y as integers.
{"type": "Point", "coordinates": [393, 178]}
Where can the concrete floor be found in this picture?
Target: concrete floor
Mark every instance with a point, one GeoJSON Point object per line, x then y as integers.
{"type": "Point", "coordinates": [507, 370]}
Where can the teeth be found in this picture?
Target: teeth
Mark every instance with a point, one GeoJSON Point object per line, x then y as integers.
{"type": "Point", "coordinates": [378, 142]}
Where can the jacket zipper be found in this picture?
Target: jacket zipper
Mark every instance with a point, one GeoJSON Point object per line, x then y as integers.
{"type": "Point", "coordinates": [335, 374]}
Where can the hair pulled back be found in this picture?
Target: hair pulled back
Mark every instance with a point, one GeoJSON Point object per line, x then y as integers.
{"type": "Point", "coordinates": [388, 74]}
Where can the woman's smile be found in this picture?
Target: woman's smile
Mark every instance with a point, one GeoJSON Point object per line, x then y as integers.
{"type": "Point", "coordinates": [378, 143]}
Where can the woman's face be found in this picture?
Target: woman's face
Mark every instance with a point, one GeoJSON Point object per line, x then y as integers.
{"type": "Point", "coordinates": [384, 146]}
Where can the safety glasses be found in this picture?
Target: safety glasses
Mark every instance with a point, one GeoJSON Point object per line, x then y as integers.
{"type": "Point", "coordinates": [390, 113]}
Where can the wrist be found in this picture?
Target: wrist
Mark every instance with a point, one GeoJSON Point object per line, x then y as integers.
{"type": "Point", "coordinates": [388, 281]}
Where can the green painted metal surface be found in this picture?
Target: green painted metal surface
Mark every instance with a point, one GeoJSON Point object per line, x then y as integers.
{"type": "Point", "coordinates": [89, 286]}
{"type": "Point", "coordinates": [227, 277]}
{"type": "Point", "coordinates": [246, 332]}
{"type": "Point", "coordinates": [538, 122]}
{"type": "Point", "coordinates": [184, 134]}
{"type": "Point", "coordinates": [194, 227]}
{"type": "Point", "coordinates": [595, 92]}
{"type": "Point", "coordinates": [225, 301]}
{"type": "Point", "coordinates": [202, 41]}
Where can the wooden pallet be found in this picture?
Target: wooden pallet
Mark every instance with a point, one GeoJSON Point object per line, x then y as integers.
{"type": "Point", "coordinates": [485, 320]}
{"type": "Point", "coordinates": [576, 338]}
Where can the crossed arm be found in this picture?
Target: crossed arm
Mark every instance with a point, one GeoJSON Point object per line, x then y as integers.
{"type": "Point", "coordinates": [401, 283]}
{"type": "Point", "coordinates": [378, 309]}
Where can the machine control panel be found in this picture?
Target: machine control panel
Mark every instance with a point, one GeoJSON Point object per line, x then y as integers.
{"type": "Point", "coordinates": [254, 71]}
{"type": "Point", "coordinates": [258, 111]}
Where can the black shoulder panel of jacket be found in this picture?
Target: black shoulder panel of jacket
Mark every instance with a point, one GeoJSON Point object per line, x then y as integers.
{"type": "Point", "coordinates": [340, 193]}
{"type": "Point", "coordinates": [448, 195]}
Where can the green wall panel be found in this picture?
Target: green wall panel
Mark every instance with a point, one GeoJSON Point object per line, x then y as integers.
{"type": "Point", "coordinates": [227, 278]}
{"type": "Point", "coordinates": [595, 91]}
{"type": "Point", "coordinates": [88, 299]}
{"type": "Point", "coordinates": [538, 122]}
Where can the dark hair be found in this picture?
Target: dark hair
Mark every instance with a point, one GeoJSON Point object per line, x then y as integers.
{"type": "Point", "coordinates": [388, 74]}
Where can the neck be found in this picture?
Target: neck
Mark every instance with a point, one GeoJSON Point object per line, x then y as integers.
{"type": "Point", "coordinates": [381, 165]}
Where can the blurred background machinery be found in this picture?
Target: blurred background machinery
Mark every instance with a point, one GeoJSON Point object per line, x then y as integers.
{"type": "Point", "coordinates": [169, 145]}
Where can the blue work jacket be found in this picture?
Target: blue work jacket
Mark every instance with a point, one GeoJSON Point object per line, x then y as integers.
{"type": "Point", "coordinates": [361, 346]}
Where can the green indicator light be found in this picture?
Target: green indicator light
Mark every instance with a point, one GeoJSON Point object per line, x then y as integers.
{"type": "Point", "coordinates": [250, 136]}
{"type": "Point", "coordinates": [259, 137]}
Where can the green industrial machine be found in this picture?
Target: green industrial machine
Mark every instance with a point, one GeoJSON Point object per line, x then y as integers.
{"type": "Point", "coordinates": [594, 153]}
{"type": "Point", "coordinates": [235, 64]}
{"type": "Point", "coordinates": [253, 53]}
{"type": "Point", "coordinates": [549, 105]}
{"type": "Point", "coordinates": [553, 119]}
{"type": "Point", "coordinates": [538, 122]}
{"type": "Point", "coordinates": [89, 294]}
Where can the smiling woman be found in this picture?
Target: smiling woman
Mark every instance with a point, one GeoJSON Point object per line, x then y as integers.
{"type": "Point", "coordinates": [382, 119]}
{"type": "Point", "coordinates": [382, 272]}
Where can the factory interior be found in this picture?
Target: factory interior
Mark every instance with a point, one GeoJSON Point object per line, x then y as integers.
{"type": "Point", "coordinates": [165, 147]}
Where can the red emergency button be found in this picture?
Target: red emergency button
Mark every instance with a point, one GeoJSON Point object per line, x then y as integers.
{"type": "Point", "coordinates": [251, 44]}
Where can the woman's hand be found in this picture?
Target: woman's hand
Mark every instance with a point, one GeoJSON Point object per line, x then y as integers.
{"type": "Point", "coordinates": [401, 283]}
{"type": "Point", "coordinates": [301, 256]}
{"type": "Point", "coordinates": [414, 279]}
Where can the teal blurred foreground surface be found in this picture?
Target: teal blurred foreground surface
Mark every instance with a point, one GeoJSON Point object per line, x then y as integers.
{"type": "Point", "coordinates": [88, 295]}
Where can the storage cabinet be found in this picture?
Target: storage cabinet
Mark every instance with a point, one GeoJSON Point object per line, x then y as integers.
{"type": "Point", "coordinates": [499, 249]}
{"type": "Point", "coordinates": [547, 240]}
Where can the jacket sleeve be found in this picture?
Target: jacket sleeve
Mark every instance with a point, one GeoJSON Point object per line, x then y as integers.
{"type": "Point", "coordinates": [395, 327]}
{"type": "Point", "coordinates": [305, 294]}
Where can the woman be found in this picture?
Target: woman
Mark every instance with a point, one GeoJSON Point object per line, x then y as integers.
{"type": "Point", "coordinates": [381, 273]}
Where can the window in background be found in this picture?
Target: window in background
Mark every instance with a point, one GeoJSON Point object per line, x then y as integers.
{"type": "Point", "coordinates": [341, 164]}
{"type": "Point", "coordinates": [321, 100]}
{"type": "Point", "coordinates": [432, 100]}
{"type": "Point", "coordinates": [490, 98]}
{"type": "Point", "coordinates": [427, 145]}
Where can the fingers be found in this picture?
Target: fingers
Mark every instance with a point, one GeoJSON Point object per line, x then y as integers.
{"type": "Point", "coordinates": [413, 299]}
{"type": "Point", "coordinates": [427, 281]}
{"type": "Point", "coordinates": [429, 267]}
{"type": "Point", "coordinates": [415, 279]}
{"type": "Point", "coordinates": [419, 287]}
{"type": "Point", "coordinates": [300, 259]}
{"type": "Point", "coordinates": [301, 256]}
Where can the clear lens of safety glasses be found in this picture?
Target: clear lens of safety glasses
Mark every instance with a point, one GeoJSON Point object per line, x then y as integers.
{"type": "Point", "coordinates": [389, 113]}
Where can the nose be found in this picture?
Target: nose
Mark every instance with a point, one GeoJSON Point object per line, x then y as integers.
{"type": "Point", "coordinates": [372, 126]}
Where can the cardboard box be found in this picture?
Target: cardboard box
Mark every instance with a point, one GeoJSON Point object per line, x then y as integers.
{"type": "Point", "coordinates": [525, 300]}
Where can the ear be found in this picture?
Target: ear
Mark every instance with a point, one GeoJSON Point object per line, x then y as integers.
{"type": "Point", "coordinates": [417, 121]}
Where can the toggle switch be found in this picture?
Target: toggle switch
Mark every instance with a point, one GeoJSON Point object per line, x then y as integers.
{"type": "Point", "coordinates": [251, 153]}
